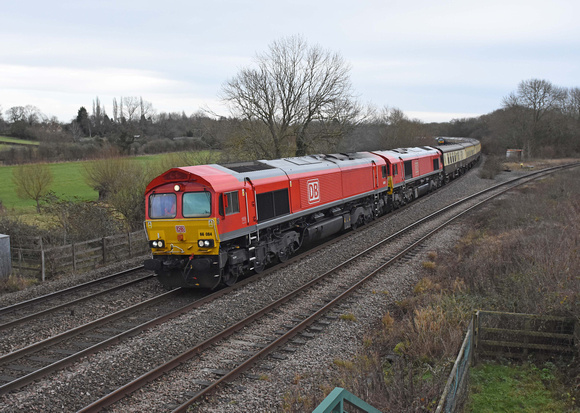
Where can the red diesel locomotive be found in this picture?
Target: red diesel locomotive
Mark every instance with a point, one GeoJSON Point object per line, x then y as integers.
{"type": "Point", "coordinates": [210, 224]}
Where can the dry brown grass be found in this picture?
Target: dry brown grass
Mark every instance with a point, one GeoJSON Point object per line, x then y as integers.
{"type": "Point", "coordinates": [15, 283]}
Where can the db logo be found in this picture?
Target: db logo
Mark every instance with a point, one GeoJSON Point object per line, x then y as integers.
{"type": "Point", "coordinates": [180, 229]}
{"type": "Point", "coordinates": [313, 191]}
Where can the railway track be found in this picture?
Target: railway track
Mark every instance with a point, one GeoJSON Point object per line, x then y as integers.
{"type": "Point", "coordinates": [25, 323]}
{"type": "Point", "coordinates": [27, 364]}
{"type": "Point", "coordinates": [25, 311]}
{"type": "Point", "coordinates": [285, 323]}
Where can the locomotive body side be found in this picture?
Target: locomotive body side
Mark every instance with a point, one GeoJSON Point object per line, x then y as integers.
{"type": "Point", "coordinates": [211, 224]}
{"type": "Point", "coordinates": [412, 172]}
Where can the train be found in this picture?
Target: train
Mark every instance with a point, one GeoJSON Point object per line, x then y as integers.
{"type": "Point", "coordinates": [209, 225]}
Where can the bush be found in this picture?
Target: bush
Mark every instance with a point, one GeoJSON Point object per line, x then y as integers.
{"type": "Point", "coordinates": [491, 167]}
{"type": "Point", "coordinates": [78, 221]}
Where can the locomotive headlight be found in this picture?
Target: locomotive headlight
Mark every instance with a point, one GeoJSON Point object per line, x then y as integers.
{"type": "Point", "coordinates": [158, 243]}
{"type": "Point", "coordinates": [205, 243]}
{"type": "Point", "coordinates": [177, 188]}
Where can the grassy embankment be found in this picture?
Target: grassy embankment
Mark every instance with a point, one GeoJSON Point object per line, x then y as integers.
{"type": "Point", "coordinates": [519, 254]}
{"type": "Point", "coordinates": [6, 142]}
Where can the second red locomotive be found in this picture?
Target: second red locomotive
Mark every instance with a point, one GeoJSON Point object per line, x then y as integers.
{"type": "Point", "coordinates": [210, 224]}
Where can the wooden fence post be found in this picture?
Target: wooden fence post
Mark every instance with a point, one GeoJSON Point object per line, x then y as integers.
{"type": "Point", "coordinates": [477, 332]}
{"type": "Point", "coordinates": [42, 268]}
{"type": "Point", "coordinates": [527, 327]}
{"type": "Point", "coordinates": [74, 257]}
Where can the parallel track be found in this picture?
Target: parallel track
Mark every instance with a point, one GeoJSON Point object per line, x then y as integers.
{"type": "Point", "coordinates": [78, 291]}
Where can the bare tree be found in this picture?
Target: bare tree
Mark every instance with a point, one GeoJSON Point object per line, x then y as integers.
{"type": "Point", "coordinates": [115, 110]}
{"type": "Point", "coordinates": [98, 116]}
{"type": "Point", "coordinates": [146, 108]}
{"type": "Point", "coordinates": [573, 103]}
{"type": "Point", "coordinates": [533, 101]}
{"type": "Point", "coordinates": [103, 174]}
{"type": "Point", "coordinates": [294, 87]}
{"type": "Point", "coordinates": [76, 131]}
{"type": "Point", "coordinates": [130, 106]}
{"type": "Point", "coordinates": [32, 181]}
{"type": "Point", "coordinates": [397, 130]}
{"type": "Point", "coordinates": [29, 114]}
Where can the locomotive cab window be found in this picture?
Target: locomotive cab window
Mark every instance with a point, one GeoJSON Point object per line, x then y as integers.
{"type": "Point", "coordinates": [232, 203]}
{"type": "Point", "coordinates": [196, 204]}
{"type": "Point", "coordinates": [384, 169]}
{"type": "Point", "coordinates": [395, 169]}
{"type": "Point", "coordinates": [162, 206]}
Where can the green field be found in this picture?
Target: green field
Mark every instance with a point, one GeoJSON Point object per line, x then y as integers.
{"type": "Point", "coordinates": [6, 139]}
{"type": "Point", "coordinates": [69, 181]}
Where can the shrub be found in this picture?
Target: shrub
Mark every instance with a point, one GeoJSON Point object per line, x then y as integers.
{"type": "Point", "coordinates": [491, 167]}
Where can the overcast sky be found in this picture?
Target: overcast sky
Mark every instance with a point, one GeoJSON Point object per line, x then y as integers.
{"type": "Point", "coordinates": [435, 60]}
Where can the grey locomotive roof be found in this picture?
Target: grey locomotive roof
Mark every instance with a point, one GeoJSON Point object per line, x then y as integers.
{"type": "Point", "coordinates": [406, 153]}
{"type": "Point", "coordinates": [279, 167]}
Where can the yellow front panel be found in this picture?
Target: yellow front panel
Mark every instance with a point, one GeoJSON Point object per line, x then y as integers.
{"type": "Point", "coordinates": [181, 235]}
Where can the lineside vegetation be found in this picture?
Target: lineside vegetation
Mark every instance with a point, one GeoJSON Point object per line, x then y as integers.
{"type": "Point", "coordinates": [519, 255]}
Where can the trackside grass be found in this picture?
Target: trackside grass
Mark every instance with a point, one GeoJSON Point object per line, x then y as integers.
{"type": "Point", "coordinates": [515, 388]}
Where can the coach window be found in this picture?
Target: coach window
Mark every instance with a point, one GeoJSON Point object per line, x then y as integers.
{"type": "Point", "coordinates": [196, 204]}
{"type": "Point", "coordinates": [233, 204]}
{"type": "Point", "coordinates": [162, 206]}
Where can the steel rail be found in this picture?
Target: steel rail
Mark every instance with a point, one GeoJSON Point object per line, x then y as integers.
{"type": "Point", "coordinates": [33, 348]}
{"type": "Point", "coordinates": [22, 381]}
{"type": "Point", "coordinates": [45, 297]}
{"type": "Point", "coordinates": [164, 368]}
{"type": "Point", "coordinates": [72, 302]}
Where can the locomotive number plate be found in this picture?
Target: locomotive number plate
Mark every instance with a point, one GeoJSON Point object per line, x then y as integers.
{"type": "Point", "coordinates": [180, 229]}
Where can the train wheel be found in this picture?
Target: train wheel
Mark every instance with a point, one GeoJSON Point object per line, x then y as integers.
{"type": "Point", "coordinates": [259, 267]}
{"type": "Point", "coordinates": [357, 224]}
{"type": "Point", "coordinates": [229, 278]}
{"type": "Point", "coordinates": [285, 253]}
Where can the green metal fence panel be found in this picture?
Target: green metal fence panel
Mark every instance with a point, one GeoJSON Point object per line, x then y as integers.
{"type": "Point", "coordinates": [340, 398]}
{"type": "Point", "coordinates": [456, 388]}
